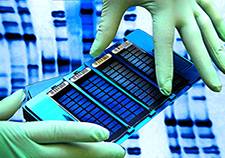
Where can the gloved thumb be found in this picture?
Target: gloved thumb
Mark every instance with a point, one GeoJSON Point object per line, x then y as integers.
{"type": "Point", "coordinates": [10, 104]}
{"type": "Point", "coordinates": [63, 131]}
{"type": "Point", "coordinates": [112, 13]}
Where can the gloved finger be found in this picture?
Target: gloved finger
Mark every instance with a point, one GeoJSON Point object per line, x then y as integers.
{"type": "Point", "coordinates": [10, 104]}
{"type": "Point", "coordinates": [211, 40]}
{"type": "Point", "coordinates": [63, 131]}
{"type": "Point", "coordinates": [209, 7]}
{"type": "Point", "coordinates": [193, 42]}
{"type": "Point", "coordinates": [84, 150]}
{"type": "Point", "coordinates": [15, 143]}
{"type": "Point", "coordinates": [112, 13]}
{"type": "Point", "coordinates": [163, 34]}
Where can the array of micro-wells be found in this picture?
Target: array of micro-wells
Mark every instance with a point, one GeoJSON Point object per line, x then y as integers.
{"type": "Point", "coordinates": [140, 60]}
{"type": "Point", "coordinates": [133, 83]}
{"type": "Point", "coordinates": [145, 63]}
{"type": "Point", "coordinates": [86, 111]}
{"type": "Point", "coordinates": [114, 99]}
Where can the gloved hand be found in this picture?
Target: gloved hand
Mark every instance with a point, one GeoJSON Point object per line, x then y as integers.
{"type": "Point", "coordinates": [65, 139]}
{"type": "Point", "coordinates": [195, 21]}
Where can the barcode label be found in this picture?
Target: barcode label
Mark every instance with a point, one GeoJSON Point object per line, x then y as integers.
{"type": "Point", "coordinates": [80, 74]}
{"type": "Point", "coordinates": [58, 88]}
{"type": "Point", "coordinates": [121, 47]}
{"type": "Point", "coordinates": [101, 60]}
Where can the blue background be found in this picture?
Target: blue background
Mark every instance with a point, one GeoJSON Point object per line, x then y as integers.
{"type": "Point", "coordinates": [40, 39]}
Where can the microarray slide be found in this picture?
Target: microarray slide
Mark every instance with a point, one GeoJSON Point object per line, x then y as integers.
{"type": "Point", "coordinates": [117, 90]}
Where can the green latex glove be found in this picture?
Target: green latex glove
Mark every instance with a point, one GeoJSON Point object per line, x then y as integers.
{"type": "Point", "coordinates": [51, 138]}
{"type": "Point", "coordinates": [195, 20]}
